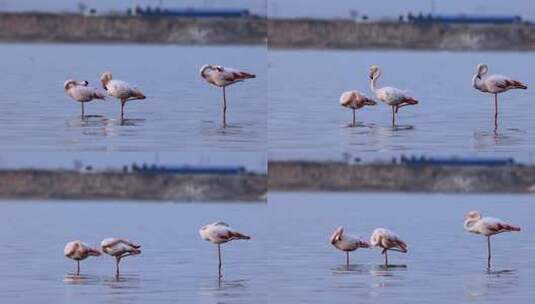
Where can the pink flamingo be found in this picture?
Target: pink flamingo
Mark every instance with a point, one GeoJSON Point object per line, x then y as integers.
{"type": "Point", "coordinates": [355, 100]}
{"type": "Point", "coordinates": [119, 248]}
{"type": "Point", "coordinates": [223, 77]}
{"type": "Point", "coordinates": [393, 97]}
{"type": "Point", "coordinates": [494, 84]}
{"type": "Point", "coordinates": [487, 226]}
{"type": "Point", "coordinates": [347, 242]}
{"type": "Point", "coordinates": [120, 89]}
{"type": "Point", "coordinates": [78, 251]}
{"type": "Point", "coordinates": [220, 233]}
{"type": "Point", "coordinates": [79, 91]}
{"type": "Point", "coordinates": [387, 240]}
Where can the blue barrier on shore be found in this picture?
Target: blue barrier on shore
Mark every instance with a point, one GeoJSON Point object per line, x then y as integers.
{"type": "Point", "coordinates": [221, 170]}
{"type": "Point", "coordinates": [192, 13]}
{"type": "Point", "coordinates": [457, 161]}
{"type": "Point", "coordinates": [466, 19]}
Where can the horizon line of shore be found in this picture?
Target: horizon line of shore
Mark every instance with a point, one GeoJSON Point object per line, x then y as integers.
{"type": "Point", "coordinates": [302, 33]}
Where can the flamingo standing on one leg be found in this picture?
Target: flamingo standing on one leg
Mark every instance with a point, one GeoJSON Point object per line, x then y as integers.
{"type": "Point", "coordinates": [79, 91]}
{"type": "Point", "coordinates": [347, 242]}
{"type": "Point", "coordinates": [223, 77]}
{"type": "Point", "coordinates": [355, 100]}
{"type": "Point", "coordinates": [494, 84]}
{"type": "Point", "coordinates": [220, 233]}
{"type": "Point", "coordinates": [119, 248]}
{"type": "Point", "coordinates": [78, 251]}
{"type": "Point", "coordinates": [387, 240]}
{"type": "Point", "coordinates": [487, 226]}
{"type": "Point", "coordinates": [393, 97]}
{"type": "Point", "coordinates": [120, 89]}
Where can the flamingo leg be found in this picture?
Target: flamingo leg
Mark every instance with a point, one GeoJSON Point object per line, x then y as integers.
{"type": "Point", "coordinates": [123, 101]}
{"type": "Point", "coordinates": [347, 258]}
{"type": "Point", "coordinates": [354, 119]}
{"type": "Point", "coordinates": [220, 264]}
{"type": "Point", "coordinates": [78, 267]}
{"type": "Point", "coordinates": [82, 109]}
{"type": "Point", "coordinates": [393, 117]}
{"type": "Point", "coordinates": [117, 261]}
{"type": "Point", "coordinates": [495, 111]}
{"type": "Point", "coordinates": [385, 252]}
{"type": "Point", "coordinates": [488, 248]}
{"type": "Point", "coordinates": [224, 108]}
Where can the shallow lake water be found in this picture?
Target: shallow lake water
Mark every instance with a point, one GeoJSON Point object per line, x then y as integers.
{"type": "Point", "coordinates": [305, 116]}
{"type": "Point", "coordinates": [181, 112]}
{"type": "Point", "coordinates": [288, 260]}
{"type": "Point", "coordinates": [176, 265]}
{"type": "Point", "coordinates": [444, 264]}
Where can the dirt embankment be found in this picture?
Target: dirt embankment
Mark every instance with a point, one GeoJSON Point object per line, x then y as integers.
{"type": "Point", "coordinates": [334, 176]}
{"type": "Point", "coordinates": [37, 27]}
{"type": "Point", "coordinates": [53, 184]}
{"type": "Point", "coordinates": [346, 34]}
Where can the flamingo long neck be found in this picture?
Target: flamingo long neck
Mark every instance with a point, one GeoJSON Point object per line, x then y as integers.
{"type": "Point", "coordinates": [373, 84]}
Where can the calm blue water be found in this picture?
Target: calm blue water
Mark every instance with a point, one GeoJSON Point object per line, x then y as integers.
{"type": "Point", "coordinates": [181, 112]}
{"type": "Point", "coordinates": [444, 264]}
{"type": "Point", "coordinates": [452, 117]}
{"type": "Point", "coordinates": [289, 259]}
{"type": "Point", "coordinates": [176, 265]}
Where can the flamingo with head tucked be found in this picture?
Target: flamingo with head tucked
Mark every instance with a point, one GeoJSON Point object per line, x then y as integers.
{"type": "Point", "coordinates": [78, 251]}
{"type": "Point", "coordinates": [393, 97]}
{"type": "Point", "coordinates": [79, 91]}
{"type": "Point", "coordinates": [222, 77]}
{"type": "Point", "coordinates": [387, 240]}
{"type": "Point", "coordinates": [347, 242]}
{"type": "Point", "coordinates": [119, 248]}
{"type": "Point", "coordinates": [219, 233]}
{"type": "Point", "coordinates": [120, 89]}
{"type": "Point", "coordinates": [355, 100]}
{"type": "Point", "coordinates": [487, 226]}
{"type": "Point", "coordinates": [494, 84]}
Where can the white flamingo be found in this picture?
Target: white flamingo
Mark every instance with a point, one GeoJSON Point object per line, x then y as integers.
{"type": "Point", "coordinates": [223, 77]}
{"type": "Point", "coordinates": [78, 251]}
{"type": "Point", "coordinates": [120, 89]}
{"type": "Point", "coordinates": [347, 242]}
{"type": "Point", "coordinates": [387, 240]}
{"type": "Point", "coordinates": [79, 91]}
{"type": "Point", "coordinates": [393, 97]}
{"type": "Point", "coordinates": [487, 226]}
{"type": "Point", "coordinates": [119, 248]}
{"type": "Point", "coordinates": [355, 100]}
{"type": "Point", "coordinates": [220, 233]}
{"type": "Point", "coordinates": [494, 84]}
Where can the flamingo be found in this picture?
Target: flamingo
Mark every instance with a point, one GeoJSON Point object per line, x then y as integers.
{"type": "Point", "coordinates": [387, 240]}
{"type": "Point", "coordinates": [487, 226]}
{"type": "Point", "coordinates": [393, 97]}
{"type": "Point", "coordinates": [355, 100]}
{"type": "Point", "coordinates": [219, 233]}
{"type": "Point", "coordinates": [494, 84]}
{"type": "Point", "coordinates": [222, 77]}
{"type": "Point", "coordinates": [119, 248]}
{"type": "Point", "coordinates": [120, 89]}
{"type": "Point", "coordinates": [79, 91]}
{"type": "Point", "coordinates": [347, 242]}
{"type": "Point", "coordinates": [78, 251]}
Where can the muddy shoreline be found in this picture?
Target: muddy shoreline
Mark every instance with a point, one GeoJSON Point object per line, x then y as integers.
{"type": "Point", "coordinates": [61, 184]}
{"type": "Point", "coordinates": [42, 27]}
{"type": "Point", "coordinates": [338, 176]}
